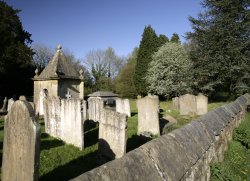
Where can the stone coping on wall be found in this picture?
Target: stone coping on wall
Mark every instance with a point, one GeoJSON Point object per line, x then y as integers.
{"type": "Point", "coordinates": [183, 154]}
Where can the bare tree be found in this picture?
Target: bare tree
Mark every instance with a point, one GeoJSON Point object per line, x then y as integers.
{"type": "Point", "coordinates": [42, 55]}
{"type": "Point", "coordinates": [104, 66]}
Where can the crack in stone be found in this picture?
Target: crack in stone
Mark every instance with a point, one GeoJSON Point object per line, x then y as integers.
{"type": "Point", "coordinates": [160, 172]}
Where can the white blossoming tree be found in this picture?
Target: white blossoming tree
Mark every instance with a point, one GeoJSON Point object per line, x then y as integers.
{"type": "Point", "coordinates": [170, 72]}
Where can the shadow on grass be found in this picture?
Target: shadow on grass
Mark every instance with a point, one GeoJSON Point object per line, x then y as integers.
{"type": "Point", "coordinates": [44, 135]}
{"type": "Point", "coordinates": [163, 125]}
{"type": "Point", "coordinates": [41, 123]}
{"type": "Point", "coordinates": [91, 130]}
{"type": "Point", "coordinates": [73, 169]}
{"type": "Point", "coordinates": [135, 141]}
{"type": "Point", "coordinates": [133, 114]}
{"type": "Point", "coordinates": [48, 144]}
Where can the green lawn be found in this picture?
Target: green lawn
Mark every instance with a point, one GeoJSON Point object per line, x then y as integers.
{"type": "Point", "coordinates": [236, 164]}
{"type": "Point", "coordinates": [60, 161]}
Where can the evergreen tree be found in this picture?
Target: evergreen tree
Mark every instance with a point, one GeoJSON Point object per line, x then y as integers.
{"type": "Point", "coordinates": [148, 45]}
{"type": "Point", "coordinates": [125, 86]}
{"type": "Point", "coordinates": [175, 38]}
{"type": "Point", "coordinates": [221, 45]}
{"type": "Point", "coordinates": [163, 39]}
{"type": "Point", "coordinates": [15, 55]}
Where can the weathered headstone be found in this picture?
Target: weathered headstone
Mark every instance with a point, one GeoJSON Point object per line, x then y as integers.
{"type": "Point", "coordinates": [22, 98]}
{"type": "Point", "coordinates": [112, 134]}
{"type": "Point", "coordinates": [201, 103]}
{"type": "Point", "coordinates": [39, 105]}
{"type": "Point", "coordinates": [148, 115]}
{"type": "Point", "coordinates": [72, 122]}
{"type": "Point", "coordinates": [5, 104]}
{"type": "Point", "coordinates": [175, 103]}
{"type": "Point", "coordinates": [187, 104]}
{"type": "Point", "coordinates": [52, 116]}
{"type": "Point", "coordinates": [123, 106]}
{"type": "Point", "coordinates": [64, 119]}
{"type": "Point", "coordinates": [10, 103]}
{"type": "Point", "coordinates": [95, 107]}
{"type": "Point", "coordinates": [21, 145]}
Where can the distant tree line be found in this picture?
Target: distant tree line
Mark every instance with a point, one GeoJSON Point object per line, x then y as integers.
{"type": "Point", "coordinates": [215, 60]}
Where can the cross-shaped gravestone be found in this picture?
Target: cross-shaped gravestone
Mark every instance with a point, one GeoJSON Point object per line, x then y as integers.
{"type": "Point", "coordinates": [68, 95]}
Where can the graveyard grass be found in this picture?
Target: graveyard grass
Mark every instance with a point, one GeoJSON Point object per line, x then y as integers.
{"type": "Point", "coordinates": [236, 163]}
{"type": "Point", "coordinates": [60, 161]}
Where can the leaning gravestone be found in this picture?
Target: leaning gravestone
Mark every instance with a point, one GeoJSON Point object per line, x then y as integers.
{"type": "Point", "coordinates": [21, 145]}
{"type": "Point", "coordinates": [22, 98]}
{"type": "Point", "coordinates": [201, 103]}
{"type": "Point", "coordinates": [95, 106]}
{"type": "Point", "coordinates": [187, 104]}
{"type": "Point", "coordinates": [112, 134]}
{"type": "Point", "coordinates": [123, 106]}
{"type": "Point", "coordinates": [10, 103]}
{"type": "Point", "coordinates": [148, 115]}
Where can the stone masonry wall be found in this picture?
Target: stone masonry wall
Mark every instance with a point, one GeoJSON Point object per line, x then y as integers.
{"type": "Point", "coordinates": [184, 154]}
{"type": "Point", "coordinates": [52, 88]}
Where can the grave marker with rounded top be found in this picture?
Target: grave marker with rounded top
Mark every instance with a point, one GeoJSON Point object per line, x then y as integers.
{"type": "Point", "coordinates": [21, 144]}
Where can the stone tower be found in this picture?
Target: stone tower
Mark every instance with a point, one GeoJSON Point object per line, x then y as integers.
{"type": "Point", "coordinates": [59, 78]}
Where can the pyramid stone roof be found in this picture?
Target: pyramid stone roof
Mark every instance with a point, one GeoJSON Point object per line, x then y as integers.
{"type": "Point", "coordinates": [58, 68]}
{"type": "Point", "coordinates": [102, 94]}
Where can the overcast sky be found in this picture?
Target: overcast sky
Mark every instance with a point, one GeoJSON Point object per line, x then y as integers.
{"type": "Point", "coordinates": [85, 25]}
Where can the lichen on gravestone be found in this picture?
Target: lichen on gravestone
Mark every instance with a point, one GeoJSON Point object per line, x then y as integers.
{"type": "Point", "coordinates": [21, 145]}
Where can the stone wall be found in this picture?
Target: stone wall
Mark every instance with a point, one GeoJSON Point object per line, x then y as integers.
{"type": "Point", "coordinates": [50, 85]}
{"type": "Point", "coordinates": [112, 134]}
{"type": "Point", "coordinates": [184, 154]}
{"type": "Point", "coordinates": [56, 88]}
{"type": "Point", "coordinates": [75, 88]}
